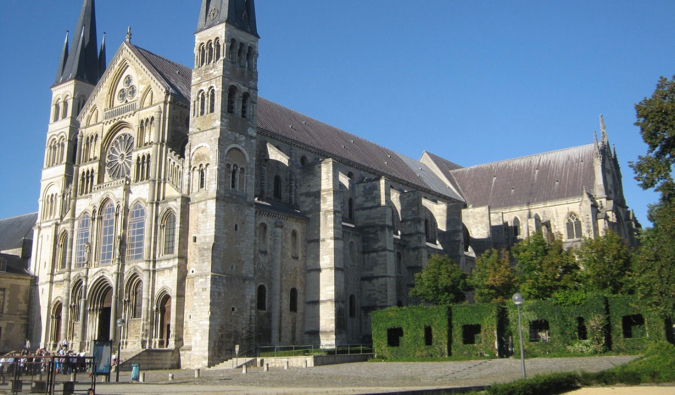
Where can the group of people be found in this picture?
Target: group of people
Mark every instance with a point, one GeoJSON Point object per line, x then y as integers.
{"type": "Point", "coordinates": [33, 363]}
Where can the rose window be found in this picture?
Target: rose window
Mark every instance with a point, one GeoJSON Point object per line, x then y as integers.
{"type": "Point", "coordinates": [118, 159]}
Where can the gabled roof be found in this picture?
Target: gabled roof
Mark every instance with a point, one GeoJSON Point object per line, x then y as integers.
{"type": "Point", "coordinates": [291, 125]}
{"type": "Point", "coordinates": [15, 265]}
{"type": "Point", "coordinates": [174, 77]}
{"type": "Point", "coordinates": [14, 230]}
{"type": "Point", "coordinates": [548, 176]}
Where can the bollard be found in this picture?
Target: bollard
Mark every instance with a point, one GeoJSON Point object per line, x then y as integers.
{"type": "Point", "coordinates": [142, 379]}
{"type": "Point", "coordinates": [286, 365]}
{"type": "Point", "coordinates": [197, 373]}
{"type": "Point", "coordinates": [73, 377]}
{"type": "Point", "coordinates": [305, 363]}
{"type": "Point", "coordinates": [170, 376]}
{"type": "Point", "coordinates": [266, 367]}
{"type": "Point", "coordinates": [244, 368]}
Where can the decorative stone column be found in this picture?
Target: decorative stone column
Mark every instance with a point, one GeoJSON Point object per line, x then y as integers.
{"type": "Point", "coordinates": [275, 305]}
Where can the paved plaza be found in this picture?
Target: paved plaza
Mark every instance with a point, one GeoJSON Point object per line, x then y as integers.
{"type": "Point", "coordinates": [353, 378]}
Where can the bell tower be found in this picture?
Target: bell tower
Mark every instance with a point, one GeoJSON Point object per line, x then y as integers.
{"type": "Point", "coordinates": [221, 153]}
{"type": "Point", "coordinates": [79, 70]}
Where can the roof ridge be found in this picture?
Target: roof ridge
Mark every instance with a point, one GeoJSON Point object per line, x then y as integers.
{"type": "Point", "coordinates": [18, 216]}
{"type": "Point", "coordinates": [524, 157]}
{"type": "Point", "coordinates": [159, 56]}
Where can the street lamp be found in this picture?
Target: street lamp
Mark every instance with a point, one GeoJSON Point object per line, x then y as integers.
{"type": "Point", "coordinates": [120, 324]}
{"type": "Point", "coordinates": [518, 300]}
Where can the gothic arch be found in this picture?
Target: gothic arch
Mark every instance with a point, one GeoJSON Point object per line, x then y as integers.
{"type": "Point", "coordinates": [163, 318]}
{"type": "Point", "coordinates": [56, 317]}
{"type": "Point", "coordinates": [92, 118]}
{"type": "Point", "coordinates": [114, 81]}
{"type": "Point", "coordinates": [147, 98]}
{"type": "Point", "coordinates": [168, 223]}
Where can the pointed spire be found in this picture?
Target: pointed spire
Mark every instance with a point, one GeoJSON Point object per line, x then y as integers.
{"type": "Point", "coordinates": [102, 64]}
{"type": "Point", "coordinates": [605, 141]}
{"type": "Point", "coordinates": [84, 64]}
{"type": "Point", "coordinates": [64, 59]}
{"type": "Point", "coordinates": [128, 34]}
{"type": "Point", "coordinates": [238, 13]}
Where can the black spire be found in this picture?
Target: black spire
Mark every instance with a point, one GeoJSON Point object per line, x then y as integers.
{"type": "Point", "coordinates": [238, 13]}
{"type": "Point", "coordinates": [83, 63]}
{"type": "Point", "coordinates": [64, 59]}
{"type": "Point", "coordinates": [101, 58]}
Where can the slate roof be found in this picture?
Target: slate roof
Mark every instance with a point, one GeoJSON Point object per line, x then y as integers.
{"type": "Point", "coordinates": [176, 78]}
{"type": "Point", "coordinates": [15, 265]}
{"type": "Point", "coordinates": [346, 147]}
{"type": "Point", "coordinates": [548, 176]}
{"type": "Point", "coordinates": [82, 62]}
{"type": "Point", "coordinates": [14, 230]}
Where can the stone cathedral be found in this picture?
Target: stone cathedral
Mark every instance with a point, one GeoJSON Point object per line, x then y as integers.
{"type": "Point", "coordinates": [206, 217]}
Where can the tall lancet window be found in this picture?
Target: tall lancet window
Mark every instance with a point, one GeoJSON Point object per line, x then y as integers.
{"type": "Point", "coordinates": [107, 234]}
{"type": "Point", "coordinates": [135, 233]}
{"type": "Point", "coordinates": [82, 241]}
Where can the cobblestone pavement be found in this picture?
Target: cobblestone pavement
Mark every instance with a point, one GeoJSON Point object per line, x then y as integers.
{"type": "Point", "coordinates": [353, 378]}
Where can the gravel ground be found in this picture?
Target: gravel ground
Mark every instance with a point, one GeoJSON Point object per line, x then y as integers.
{"type": "Point", "coordinates": [353, 378]}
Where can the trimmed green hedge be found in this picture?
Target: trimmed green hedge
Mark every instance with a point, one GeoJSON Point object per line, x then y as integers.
{"type": "Point", "coordinates": [478, 329]}
{"type": "Point", "coordinates": [567, 326]}
{"type": "Point", "coordinates": [590, 326]}
{"type": "Point", "coordinates": [639, 333]}
{"type": "Point", "coordinates": [413, 327]}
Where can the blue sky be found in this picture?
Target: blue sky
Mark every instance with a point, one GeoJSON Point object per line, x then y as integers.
{"type": "Point", "coordinates": [472, 81]}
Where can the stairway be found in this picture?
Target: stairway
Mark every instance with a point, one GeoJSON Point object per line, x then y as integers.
{"type": "Point", "coordinates": [155, 359]}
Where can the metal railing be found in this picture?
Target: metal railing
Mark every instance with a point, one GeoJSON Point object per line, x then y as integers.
{"type": "Point", "coordinates": [306, 350]}
{"type": "Point", "coordinates": [53, 374]}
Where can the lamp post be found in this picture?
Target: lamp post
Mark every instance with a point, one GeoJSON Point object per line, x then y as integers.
{"type": "Point", "coordinates": [120, 324]}
{"type": "Point", "coordinates": [518, 300]}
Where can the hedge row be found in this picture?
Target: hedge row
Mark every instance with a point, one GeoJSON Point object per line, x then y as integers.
{"type": "Point", "coordinates": [490, 330]}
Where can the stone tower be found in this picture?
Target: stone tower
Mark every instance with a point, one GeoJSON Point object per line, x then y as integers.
{"type": "Point", "coordinates": [220, 163]}
{"type": "Point", "coordinates": [80, 68]}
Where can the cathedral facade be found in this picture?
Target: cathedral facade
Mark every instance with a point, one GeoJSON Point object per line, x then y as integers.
{"type": "Point", "coordinates": [199, 217]}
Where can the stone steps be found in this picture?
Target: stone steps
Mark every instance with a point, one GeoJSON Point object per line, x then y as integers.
{"type": "Point", "coordinates": [154, 359]}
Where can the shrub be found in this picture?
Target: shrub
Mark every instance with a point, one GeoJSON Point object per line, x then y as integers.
{"type": "Point", "coordinates": [555, 383]}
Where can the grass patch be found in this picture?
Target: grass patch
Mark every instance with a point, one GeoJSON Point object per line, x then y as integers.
{"type": "Point", "coordinates": [554, 383]}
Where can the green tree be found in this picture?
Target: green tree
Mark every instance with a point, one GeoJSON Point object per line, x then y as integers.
{"type": "Point", "coordinates": [441, 282]}
{"type": "Point", "coordinates": [654, 264]}
{"type": "Point", "coordinates": [493, 279]}
{"type": "Point", "coordinates": [606, 264]}
{"type": "Point", "coordinates": [656, 119]}
{"type": "Point", "coordinates": [544, 269]}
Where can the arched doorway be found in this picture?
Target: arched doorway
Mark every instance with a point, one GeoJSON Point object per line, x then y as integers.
{"type": "Point", "coordinates": [100, 305]}
{"type": "Point", "coordinates": [55, 335]}
{"type": "Point", "coordinates": [164, 321]}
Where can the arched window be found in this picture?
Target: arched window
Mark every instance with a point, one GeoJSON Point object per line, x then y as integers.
{"type": "Point", "coordinates": [249, 59]}
{"type": "Point", "coordinates": [303, 160]}
{"type": "Point", "coordinates": [82, 241]}
{"type": "Point", "coordinates": [202, 103]}
{"type": "Point", "coordinates": [350, 209]}
{"type": "Point", "coordinates": [293, 305]}
{"type": "Point", "coordinates": [169, 234]}
{"type": "Point", "coordinates": [202, 177]}
{"type": "Point", "coordinates": [107, 241]}
{"type": "Point", "coordinates": [262, 237]}
{"type": "Point", "coordinates": [202, 55]}
{"type": "Point", "coordinates": [240, 55]}
{"type": "Point", "coordinates": [537, 223]}
{"type": "Point", "coordinates": [62, 251]}
{"type": "Point", "coordinates": [212, 100]}
{"type": "Point", "coordinates": [233, 51]}
{"type": "Point", "coordinates": [64, 111]}
{"type": "Point", "coordinates": [277, 187]}
{"type": "Point", "coordinates": [231, 99]}
{"type": "Point", "coordinates": [57, 111]}
{"type": "Point", "coordinates": [245, 102]}
{"type": "Point", "coordinates": [399, 264]}
{"type": "Point", "coordinates": [516, 227]}
{"type": "Point", "coordinates": [136, 233]}
{"type": "Point", "coordinates": [233, 177]}
{"type": "Point", "coordinates": [216, 47]}
{"type": "Point", "coordinates": [135, 297]}
{"type": "Point", "coordinates": [209, 52]}
{"type": "Point", "coordinates": [294, 243]}
{"type": "Point", "coordinates": [352, 306]}
{"type": "Point", "coordinates": [573, 227]}
{"type": "Point", "coordinates": [262, 298]}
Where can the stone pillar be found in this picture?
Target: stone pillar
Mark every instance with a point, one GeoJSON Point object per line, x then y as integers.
{"type": "Point", "coordinates": [146, 317]}
{"type": "Point", "coordinates": [276, 282]}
